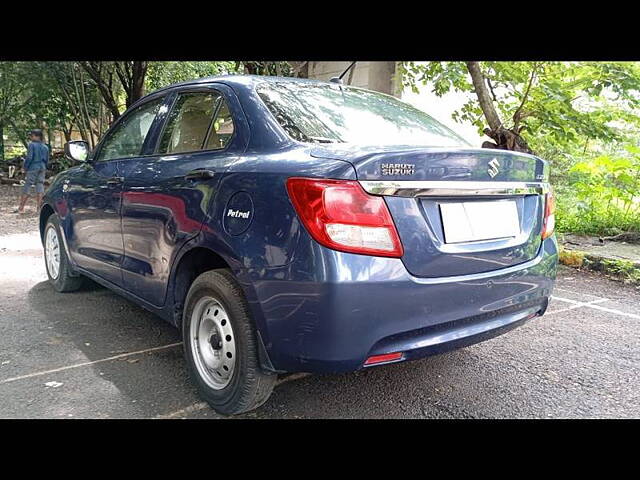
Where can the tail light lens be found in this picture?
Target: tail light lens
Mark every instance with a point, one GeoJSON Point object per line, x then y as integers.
{"type": "Point", "coordinates": [549, 223]}
{"type": "Point", "coordinates": [340, 215]}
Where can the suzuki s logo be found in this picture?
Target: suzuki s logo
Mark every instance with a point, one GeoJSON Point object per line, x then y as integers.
{"type": "Point", "coordinates": [494, 168]}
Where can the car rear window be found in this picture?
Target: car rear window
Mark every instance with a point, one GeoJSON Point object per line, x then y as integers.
{"type": "Point", "coordinates": [320, 113]}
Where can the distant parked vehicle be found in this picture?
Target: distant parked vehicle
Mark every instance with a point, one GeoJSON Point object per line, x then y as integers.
{"type": "Point", "coordinates": [289, 225]}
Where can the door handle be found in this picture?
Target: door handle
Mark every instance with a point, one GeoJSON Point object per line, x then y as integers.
{"type": "Point", "coordinates": [115, 180]}
{"type": "Point", "coordinates": [200, 174]}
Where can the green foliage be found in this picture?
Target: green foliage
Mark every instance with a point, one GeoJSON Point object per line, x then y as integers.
{"type": "Point", "coordinates": [625, 270]}
{"type": "Point", "coordinates": [63, 97]}
{"type": "Point", "coordinates": [602, 195]}
{"type": "Point", "coordinates": [14, 151]}
{"type": "Point", "coordinates": [161, 74]}
{"type": "Point", "coordinates": [52, 96]}
{"type": "Point", "coordinates": [562, 106]}
{"type": "Point", "coordinates": [622, 269]}
{"type": "Point", "coordinates": [13, 95]}
{"type": "Point", "coordinates": [576, 115]}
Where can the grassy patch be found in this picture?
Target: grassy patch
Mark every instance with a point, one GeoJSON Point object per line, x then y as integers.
{"type": "Point", "coordinates": [625, 270]}
{"type": "Point", "coordinates": [595, 218]}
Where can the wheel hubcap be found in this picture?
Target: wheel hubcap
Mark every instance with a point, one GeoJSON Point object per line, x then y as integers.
{"type": "Point", "coordinates": [212, 343]}
{"type": "Point", "coordinates": [52, 253]}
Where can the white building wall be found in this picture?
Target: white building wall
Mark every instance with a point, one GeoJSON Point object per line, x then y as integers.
{"type": "Point", "coordinates": [325, 70]}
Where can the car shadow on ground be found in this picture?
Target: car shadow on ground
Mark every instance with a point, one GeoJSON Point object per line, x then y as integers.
{"type": "Point", "coordinates": [94, 323]}
{"type": "Point", "coordinates": [99, 324]}
{"type": "Point", "coordinates": [403, 390]}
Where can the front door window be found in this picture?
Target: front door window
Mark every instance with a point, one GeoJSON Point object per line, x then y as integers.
{"type": "Point", "coordinates": [127, 138]}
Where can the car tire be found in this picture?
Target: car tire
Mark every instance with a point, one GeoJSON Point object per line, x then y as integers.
{"type": "Point", "coordinates": [221, 345]}
{"type": "Point", "coordinates": [59, 270]}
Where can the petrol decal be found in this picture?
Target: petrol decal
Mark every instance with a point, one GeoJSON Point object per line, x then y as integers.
{"type": "Point", "coordinates": [238, 213]}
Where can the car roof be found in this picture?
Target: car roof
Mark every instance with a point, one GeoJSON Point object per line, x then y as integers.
{"type": "Point", "coordinates": [244, 80]}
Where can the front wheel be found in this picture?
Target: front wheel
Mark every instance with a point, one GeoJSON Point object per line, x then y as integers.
{"type": "Point", "coordinates": [59, 270]}
{"type": "Point", "coordinates": [221, 348]}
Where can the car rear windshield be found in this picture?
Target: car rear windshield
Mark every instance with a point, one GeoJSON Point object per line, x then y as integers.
{"type": "Point", "coordinates": [333, 113]}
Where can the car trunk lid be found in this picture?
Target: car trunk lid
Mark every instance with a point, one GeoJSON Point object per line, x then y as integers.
{"type": "Point", "coordinates": [457, 212]}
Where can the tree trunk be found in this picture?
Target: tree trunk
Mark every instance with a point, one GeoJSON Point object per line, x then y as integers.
{"type": "Point", "coordinates": [18, 133]}
{"type": "Point", "coordinates": [67, 132]}
{"type": "Point", "coordinates": [1, 142]}
{"type": "Point", "coordinates": [484, 97]}
{"type": "Point", "coordinates": [97, 74]}
{"type": "Point", "coordinates": [250, 68]}
{"type": "Point", "coordinates": [132, 75]}
{"type": "Point", "coordinates": [505, 139]}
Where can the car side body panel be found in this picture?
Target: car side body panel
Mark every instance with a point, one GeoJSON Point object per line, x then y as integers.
{"type": "Point", "coordinates": [93, 219]}
{"type": "Point", "coordinates": [162, 208]}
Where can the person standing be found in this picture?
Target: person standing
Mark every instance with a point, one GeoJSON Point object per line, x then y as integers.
{"type": "Point", "coordinates": [35, 167]}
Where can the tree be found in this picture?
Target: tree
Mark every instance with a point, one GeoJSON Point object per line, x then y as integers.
{"type": "Point", "coordinates": [280, 69]}
{"type": "Point", "coordinates": [45, 108]}
{"type": "Point", "coordinates": [552, 108]}
{"type": "Point", "coordinates": [132, 75]}
{"type": "Point", "coordinates": [13, 98]}
{"type": "Point", "coordinates": [505, 138]}
{"type": "Point", "coordinates": [161, 74]}
{"type": "Point", "coordinates": [88, 96]}
{"type": "Point", "coordinates": [103, 75]}
{"type": "Point", "coordinates": [80, 95]}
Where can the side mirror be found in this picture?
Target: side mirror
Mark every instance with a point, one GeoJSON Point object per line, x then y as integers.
{"type": "Point", "coordinates": [77, 150]}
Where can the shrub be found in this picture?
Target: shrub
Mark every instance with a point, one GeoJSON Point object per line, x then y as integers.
{"type": "Point", "coordinates": [602, 196]}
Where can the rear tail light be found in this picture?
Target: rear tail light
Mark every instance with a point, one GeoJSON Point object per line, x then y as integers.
{"type": "Point", "coordinates": [340, 215]}
{"type": "Point", "coordinates": [549, 223]}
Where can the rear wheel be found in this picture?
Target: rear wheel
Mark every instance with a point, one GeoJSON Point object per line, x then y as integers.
{"type": "Point", "coordinates": [221, 348]}
{"type": "Point", "coordinates": [59, 270]}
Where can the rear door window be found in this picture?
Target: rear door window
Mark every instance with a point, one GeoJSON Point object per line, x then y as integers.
{"type": "Point", "coordinates": [221, 129]}
{"type": "Point", "coordinates": [197, 121]}
{"type": "Point", "coordinates": [188, 123]}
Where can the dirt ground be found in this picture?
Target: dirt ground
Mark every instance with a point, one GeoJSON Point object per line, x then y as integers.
{"type": "Point", "coordinates": [607, 249]}
{"type": "Point", "coordinates": [13, 223]}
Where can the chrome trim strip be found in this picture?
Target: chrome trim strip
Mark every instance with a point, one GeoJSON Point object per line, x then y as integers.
{"type": "Point", "coordinates": [411, 188]}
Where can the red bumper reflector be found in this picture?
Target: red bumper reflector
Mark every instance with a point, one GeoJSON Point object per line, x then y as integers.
{"type": "Point", "coordinates": [387, 357]}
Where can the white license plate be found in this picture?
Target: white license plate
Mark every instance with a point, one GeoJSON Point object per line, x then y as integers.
{"type": "Point", "coordinates": [476, 221]}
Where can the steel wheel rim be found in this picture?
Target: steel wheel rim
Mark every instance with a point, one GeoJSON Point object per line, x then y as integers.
{"type": "Point", "coordinates": [212, 343]}
{"type": "Point", "coordinates": [52, 252]}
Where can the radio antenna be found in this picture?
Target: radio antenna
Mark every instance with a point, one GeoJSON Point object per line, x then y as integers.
{"type": "Point", "coordinates": [338, 80]}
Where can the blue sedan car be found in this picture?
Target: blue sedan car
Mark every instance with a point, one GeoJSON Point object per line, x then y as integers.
{"type": "Point", "coordinates": [290, 225]}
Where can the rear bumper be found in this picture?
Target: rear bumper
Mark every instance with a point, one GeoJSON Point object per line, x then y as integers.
{"type": "Point", "coordinates": [332, 310]}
